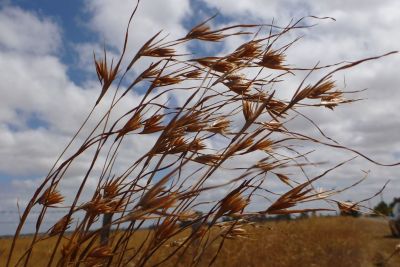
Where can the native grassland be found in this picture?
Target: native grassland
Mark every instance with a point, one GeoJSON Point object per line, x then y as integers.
{"type": "Point", "coordinates": [199, 139]}
{"type": "Point", "coordinates": [329, 241]}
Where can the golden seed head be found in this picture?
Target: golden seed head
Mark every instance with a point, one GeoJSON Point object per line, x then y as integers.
{"type": "Point", "coordinates": [158, 52]}
{"type": "Point", "coordinates": [208, 159]}
{"type": "Point", "coordinates": [166, 229]}
{"type": "Point", "coordinates": [98, 256]}
{"type": "Point", "coordinates": [50, 197]}
{"type": "Point", "coordinates": [202, 32]}
{"type": "Point", "coordinates": [192, 74]}
{"type": "Point", "coordinates": [220, 126]}
{"type": "Point", "coordinates": [166, 80]}
{"type": "Point", "coordinates": [60, 226]}
{"type": "Point", "coordinates": [132, 125]}
{"type": "Point", "coordinates": [152, 124]}
{"type": "Point", "coordinates": [273, 60]}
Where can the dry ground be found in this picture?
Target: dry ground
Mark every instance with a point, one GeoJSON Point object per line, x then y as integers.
{"type": "Point", "coordinates": [329, 241]}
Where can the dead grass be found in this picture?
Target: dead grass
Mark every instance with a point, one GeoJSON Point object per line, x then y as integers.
{"type": "Point", "coordinates": [233, 98]}
{"type": "Point", "coordinates": [330, 241]}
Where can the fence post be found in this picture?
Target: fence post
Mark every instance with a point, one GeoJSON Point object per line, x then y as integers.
{"type": "Point", "coordinates": [106, 228]}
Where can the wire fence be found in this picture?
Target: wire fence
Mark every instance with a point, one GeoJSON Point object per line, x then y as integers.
{"type": "Point", "coordinates": [4, 219]}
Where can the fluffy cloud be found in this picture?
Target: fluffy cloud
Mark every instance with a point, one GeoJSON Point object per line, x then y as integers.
{"type": "Point", "coordinates": [109, 19]}
{"type": "Point", "coordinates": [31, 34]}
{"type": "Point", "coordinates": [41, 107]}
{"type": "Point", "coordinates": [362, 29]}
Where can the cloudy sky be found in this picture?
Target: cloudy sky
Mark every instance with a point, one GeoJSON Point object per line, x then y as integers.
{"type": "Point", "coordinates": [48, 83]}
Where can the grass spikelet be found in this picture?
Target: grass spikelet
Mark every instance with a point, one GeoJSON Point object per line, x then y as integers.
{"type": "Point", "coordinates": [273, 60]}
{"type": "Point", "coordinates": [232, 203]}
{"type": "Point", "coordinates": [50, 198]}
{"type": "Point", "coordinates": [152, 124]}
{"type": "Point", "coordinates": [221, 126]}
{"type": "Point", "coordinates": [98, 256]}
{"type": "Point", "coordinates": [207, 159]}
{"type": "Point", "coordinates": [62, 224]}
{"type": "Point", "coordinates": [133, 124]}
{"type": "Point", "coordinates": [203, 32]}
{"type": "Point", "coordinates": [158, 52]}
{"type": "Point", "coordinates": [166, 80]}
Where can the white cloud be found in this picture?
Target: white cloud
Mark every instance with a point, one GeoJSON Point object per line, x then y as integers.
{"type": "Point", "coordinates": [109, 19]}
{"type": "Point", "coordinates": [23, 31]}
{"type": "Point", "coordinates": [41, 108]}
{"type": "Point", "coordinates": [362, 29]}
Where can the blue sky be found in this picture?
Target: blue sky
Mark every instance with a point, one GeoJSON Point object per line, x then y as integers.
{"type": "Point", "coordinates": [49, 83]}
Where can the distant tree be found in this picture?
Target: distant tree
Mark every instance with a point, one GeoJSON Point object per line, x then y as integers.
{"type": "Point", "coordinates": [391, 205]}
{"type": "Point", "coordinates": [349, 210]}
{"type": "Point", "coordinates": [304, 215]}
{"type": "Point", "coordinates": [383, 208]}
{"type": "Point", "coordinates": [259, 218]}
{"type": "Point", "coordinates": [353, 213]}
{"type": "Point", "coordinates": [283, 217]}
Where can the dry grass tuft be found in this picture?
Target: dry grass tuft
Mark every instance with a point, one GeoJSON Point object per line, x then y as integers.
{"type": "Point", "coordinates": [196, 145]}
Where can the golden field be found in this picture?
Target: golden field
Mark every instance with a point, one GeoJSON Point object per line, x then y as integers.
{"type": "Point", "coordinates": [320, 241]}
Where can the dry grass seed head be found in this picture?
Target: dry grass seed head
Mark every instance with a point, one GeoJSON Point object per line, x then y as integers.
{"type": "Point", "coordinates": [208, 159]}
{"type": "Point", "coordinates": [98, 256]}
{"type": "Point", "coordinates": [248, 110]}
{"type": "Point", "coordinates": [232, 204]}
{"type": "Point", "coordinates": [105, 75]}
{"type": "Point", "coordinates": [152, 124]}
{"type": "Point", "coordinates": [163, 202]}
{"type": "Point", "coordinates": [234, 232]}
{"type": "Point", "coordinates": [321, 89]}
{"type": "Point", "coordinates": [187, 216]}
{"type": "Point", "coordinates": [50, 197]}
{"type": "Point", "coordinates": [238, 86]}
{"type": "Point", "coordinates": [220, 126]}
{"type": "Point", "coordinates": [132, 125]}
{"type": "Point", "coordinates": [333, 99]}
{"type": "Point", "coordinates": [284, 178]}
{"type": "Point", "coordinates": [314, 91]}
{"type": "Point", "coordinates": [111, 188]}
{"type": "Point", "coordinates": [101, 205]}
{"type": "Point", "coordinates": [71, 247]}
{"type": "Point", "coordinates": [61, 225]}
{"type": "Point", "coordinates": [272, 125]}
{"type": "Point", "coordinates": [217, 64]}
{"type": "Point", "coordinates": [192, 74]}
{"type": "Point", "coordinates": [276, 107]}
{"type": "Point", "coordinates": [202, 32]}
{"type": "Point", "coordinates": [290, 199]}
{"type": "Point", "coordinates": [273, 60]}
{"type": "Point", "coordinates": [158, 52]}
{"type": "Point", "coordinates": [241, 146]}
{"type": "Point", "coordinates": [166, 80]}
{"type": "Point", "coordinates": [172, 145]}
{"type": "Point", "coordinates": [166, 229]}
{"type": "Point", "coordinates": [265, 166]}
{"type": "Point", "coordinates": [151, 72]}
{"type": "Point", "coordinates": [246, 51]}
{"type": "Point", "coordinates": [265, 145]}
